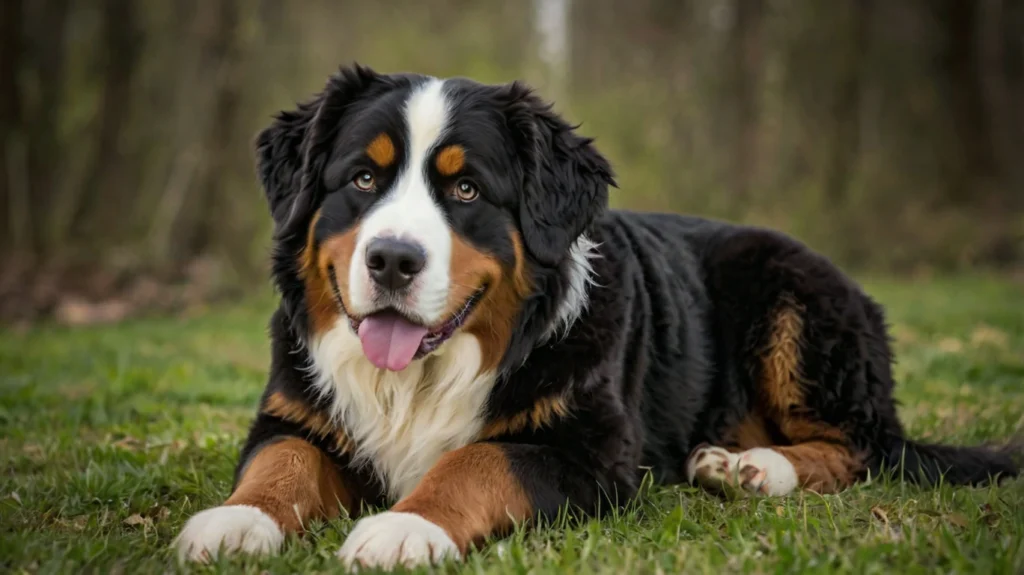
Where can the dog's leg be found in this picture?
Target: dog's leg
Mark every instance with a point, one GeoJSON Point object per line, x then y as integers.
{"type": "Point", "coordinates": [802, 450]}
{"type": "Point", "coordinates": [822, 466]}
{"type": "Point", "coordinates": [469, 494]}
{"type": "Point", "coordinates": [472, 493]}
{"type": "Point", "coordinates": [817, 465]}
{"type": "Point", "coordinates": [284, 485]}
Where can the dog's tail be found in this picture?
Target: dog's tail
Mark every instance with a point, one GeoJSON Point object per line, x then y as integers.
{"type": "Point", "coordinates": [929, 463]}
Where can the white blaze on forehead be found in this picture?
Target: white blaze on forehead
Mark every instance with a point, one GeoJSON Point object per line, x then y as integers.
{"type": "Point", "coordinates": [410, 212]}
{"type": "Point", "coordinates": [426, 114]}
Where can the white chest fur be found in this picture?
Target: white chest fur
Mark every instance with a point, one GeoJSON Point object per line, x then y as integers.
{"type": "Point", "coordinates": [402, 422]}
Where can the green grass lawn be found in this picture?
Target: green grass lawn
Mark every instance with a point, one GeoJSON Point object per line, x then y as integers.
{"type": "Point", "coordinates": [111, 437]}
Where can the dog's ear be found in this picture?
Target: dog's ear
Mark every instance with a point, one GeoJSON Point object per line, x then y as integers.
{"type": "Point", "coordinates": [279, 157]}
{"type": "Point", "coordinates": [566, 178]}
{"type": "Point", "coordinates": [291, 152]}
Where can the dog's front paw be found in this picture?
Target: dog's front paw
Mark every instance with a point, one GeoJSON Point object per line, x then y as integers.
{"type": "Point", "coordinates": [392, 538]}
{"type": "Point", "coordinates": [231, 528]}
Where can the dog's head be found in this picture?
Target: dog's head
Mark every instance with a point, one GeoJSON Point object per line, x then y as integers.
{"type": "Point", "coordinates": [408, 208]}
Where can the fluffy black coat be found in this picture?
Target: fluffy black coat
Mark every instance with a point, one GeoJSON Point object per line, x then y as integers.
{"type": "Point", "coordinates": [668, 355]}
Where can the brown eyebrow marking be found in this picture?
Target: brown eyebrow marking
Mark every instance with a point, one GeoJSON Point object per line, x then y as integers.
{"type": "Point", "coordinates": [450, 160]}
{"type": "Point", "coordinates": [381, 150]}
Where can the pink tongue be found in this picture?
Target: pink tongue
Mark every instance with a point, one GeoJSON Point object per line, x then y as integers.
{"type": "Point", "coordinates": [389, 340]}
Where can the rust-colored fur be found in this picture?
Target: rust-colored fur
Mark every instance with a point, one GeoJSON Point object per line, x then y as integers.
{"type": "Point", "coordinates": [472, 494]}
{"type": "Point", "coordinates": [292, 482]}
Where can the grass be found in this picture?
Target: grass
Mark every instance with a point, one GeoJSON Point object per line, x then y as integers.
{"type": "Point", "coordinates": [111, 437]}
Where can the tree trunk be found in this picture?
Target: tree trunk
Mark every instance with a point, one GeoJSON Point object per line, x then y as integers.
{"type": "Point", "coordinates": [1013, 25]}
{"type": "Point", "coordinates": [845, 138]}
{"type": "Point", "coordinates": [746, 55]}
{"type": "Point", "coordinates": [1002, 57]}
{"type": "Point", "coordinates": [967, 98]}
{"type": "Point", "coordinates": [11, 17]}
{"type": "Point", "coordinates": [551, 23]}
{"type": "Point", "coordinates": [204, 215]}
{"type": "Point", "coordinates": [45, 156]}
{"type": "Point", "coordinates": [103, 185]}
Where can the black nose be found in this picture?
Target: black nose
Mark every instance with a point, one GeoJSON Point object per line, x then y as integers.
{"type": "Point", "coordinates": [394, 263]}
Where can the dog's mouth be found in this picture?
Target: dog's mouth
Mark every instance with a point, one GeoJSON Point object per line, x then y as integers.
{"type": "Point", "coordinates": [391, 340]}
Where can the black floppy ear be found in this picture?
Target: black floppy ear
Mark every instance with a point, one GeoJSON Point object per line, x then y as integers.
{"type": "Point", "coordinates": [279, 157]}
{"type": "Point", "coordinates": [566, 178]}
{"type": "Point", "coordinates": [290, 153]}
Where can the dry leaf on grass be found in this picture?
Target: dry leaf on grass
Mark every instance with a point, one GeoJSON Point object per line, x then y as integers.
{"type": "Point", "coordinates": [34, 451]}
{"type": "Point", "coordinates": [77, 523]}
{"type": "Point", "coordinates": [892, 532]}
{"type": "Point", "coordinates": [880, 515]}
{"type": "Point", "coordinates": [128, 443]}
{"type": "Point", "coordinates": [136, 520]}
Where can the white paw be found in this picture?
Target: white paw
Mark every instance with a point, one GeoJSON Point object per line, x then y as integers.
{"type": "Point", "coordinates": [392, 538]}
{"type": "Point", "coordinates": [767, 472]}
{"type": "Point", "coordinates": [231, 528]}
{"type": "Point", "coordinates": [759, 471]}
{"type": "Point", "coordinates": [712, 467]}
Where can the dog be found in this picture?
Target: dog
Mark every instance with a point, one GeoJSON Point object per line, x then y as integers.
{"type": "Point", "coordinates": [468, 335]}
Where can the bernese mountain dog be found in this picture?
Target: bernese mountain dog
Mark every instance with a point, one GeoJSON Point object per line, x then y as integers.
{"type": "Point", "coordinates": [467, 336]}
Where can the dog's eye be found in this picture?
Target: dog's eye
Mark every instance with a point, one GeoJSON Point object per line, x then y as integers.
{"type": "Point", "coordinates": [465, 191]}
{"type": "Point", "coordinates": [364, 181]}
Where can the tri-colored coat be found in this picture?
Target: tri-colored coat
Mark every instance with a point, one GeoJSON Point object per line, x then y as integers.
{"type": "Point", "coordinates": [468, 335]}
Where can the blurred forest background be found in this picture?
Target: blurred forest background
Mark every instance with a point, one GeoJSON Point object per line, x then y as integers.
{"type": "Point", "coordinates": [886, 134]}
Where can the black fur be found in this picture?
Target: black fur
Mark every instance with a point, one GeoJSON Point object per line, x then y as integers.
{"type": "Point", "coordinates": [668, 351]}
{"type": "Point", "coordinates": [554, 157]}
